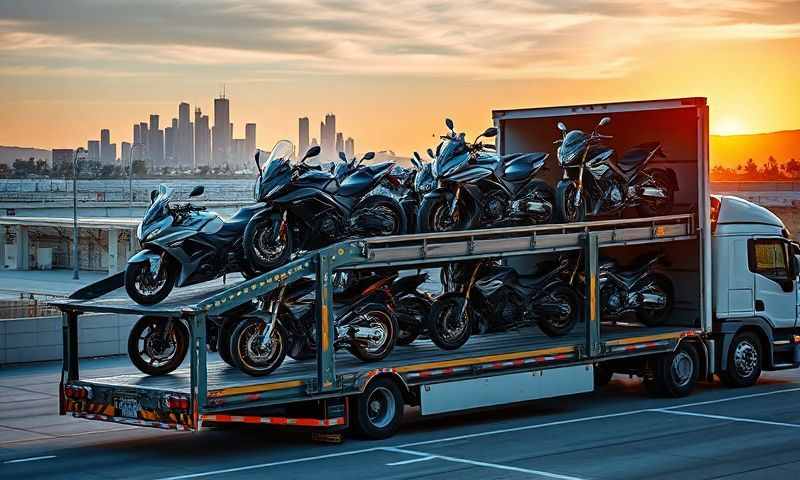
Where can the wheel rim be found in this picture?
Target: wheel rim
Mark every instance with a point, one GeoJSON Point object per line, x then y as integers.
{"type": "Point", "coordinates": [745, 358]}
{"type": "Point", "coordinates": [380, 322]}
{"type": "Point", "coordinates": [256, 356]}
{"type": "Point", "coordinates": [562, 319]}
{"type": "Point", "coordinates": [153, 348]}
{"type": "Point", "coordinates": [443, 221]}
{"type": "Point", "coordinates": [381, 407]}
{"type": "Point", "coordinates": [452, 323]}
{"type": "Point", "coordinates": [148, 285]}
{"type": "Point", "coordinates": [385, 212]}
{"type": "Point", "coordinates": [570, 210]}
{"type": "Point", "coordinates": [682, 369]}
{"type": "Point", "coordinates": [268, 248]}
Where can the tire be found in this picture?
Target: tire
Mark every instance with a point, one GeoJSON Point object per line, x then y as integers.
{"type": "Point", "coordinates": [664, 207]}
{"type": "Point", "coordinates": [602, 375]}
{"type": "Point", "coordinates": [566, 212]}
{"type": "Point", "coordinates": [147, 350]}
{"type": "Point", "coordinates": [444, 313]}
{"type": "Point", "coordinates": [388, 205]}
{"type": "Point", "coordinates": [744, 361]}
{"type": "Point", "coordinates": [379, 317]}
{"type": "Point", "coordinates": [138, 278]}
{"type": "Point", "coordinates": [652, 318]}
{"type": "Point", "coordinates": [558, 325]}
{"type": "Point", "coordinates": [376, 413]}
{"type": "Point", "coordinates": [416, 311]}
{"type": "Point", "coordinates": [675, 373]}
{"type": "Point", "coordinates": [256, 244]}
{"type": "Point", "coordinates": [545, 192]}
{"type": "Point", "coordinates": [435, 209]}
{"type": "Point", "coordinates": [224, 343]}
{"type": "Point", "coordinates": [247, 353]}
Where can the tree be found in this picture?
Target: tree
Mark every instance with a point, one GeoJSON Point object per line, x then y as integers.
{"type": "Point", "coordinates": [139, 168]}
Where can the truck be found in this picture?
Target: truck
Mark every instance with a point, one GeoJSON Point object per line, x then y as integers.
{"type": "Point", "coordinates": [733, 264]}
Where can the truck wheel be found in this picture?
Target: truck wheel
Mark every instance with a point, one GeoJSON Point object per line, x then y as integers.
{"type": "Point", "coordinates": [675, 374]}
{"type": "Point", "coordinates": [744, 361]}
{"type": "Point", "coordinates": [376, 413]}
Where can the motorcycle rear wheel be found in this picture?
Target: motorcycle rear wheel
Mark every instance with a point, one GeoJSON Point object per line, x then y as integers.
{"type": "Point", "coordinates": [662, 207]}
{"type": "Point", "coordinates": [558, 325]}
{"type": "Point", "coordinates": [653, 317]}
{"type": "Point", "coordinates": [544, 192]}
{"type": "Point", "coordinates": [386, 206]}
{"type": "Point", "coordinates": [381, 318]}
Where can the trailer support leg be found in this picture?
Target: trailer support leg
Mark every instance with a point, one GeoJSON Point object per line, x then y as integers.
{"type": "Point", "coordinates": [198, 370]}
{"type": "Point", "coordinates": [591, 255]}
{"type": "Point", "coordinates": [326, 328]}
{"type": "Point", "coordinates": [69, 371]}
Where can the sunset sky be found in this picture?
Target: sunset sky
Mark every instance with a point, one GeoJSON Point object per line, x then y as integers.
{"type": "Point", "coordinates": [391, 71]}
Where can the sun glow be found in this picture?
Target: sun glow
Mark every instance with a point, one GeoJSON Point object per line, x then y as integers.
{"type": "Point", "coordinates": [728, 126]}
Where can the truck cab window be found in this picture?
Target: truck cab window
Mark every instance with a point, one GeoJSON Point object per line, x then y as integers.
{"type": "Point", "coordinates": [769, 257]}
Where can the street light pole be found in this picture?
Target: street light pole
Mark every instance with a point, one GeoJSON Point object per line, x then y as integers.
{"type": "Point", "coordinates": [130, 177]}
{"type": "Point", "coordinates": [80, 154]}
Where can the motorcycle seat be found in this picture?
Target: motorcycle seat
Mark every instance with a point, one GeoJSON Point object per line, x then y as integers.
{"type": "Point", "coordinates": [637, 155]}
{"type": "Point", "coordinates": [518, 166]}
{"type": "Point", "coordinates": [363, 179]}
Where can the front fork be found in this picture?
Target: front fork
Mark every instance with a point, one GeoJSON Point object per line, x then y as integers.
{"type": "Point", "coordinates": [266, 337]}
{"type": "Point", "coordinates": [454, 203]}
{"type": "Point", "coordinates": [579, 189]}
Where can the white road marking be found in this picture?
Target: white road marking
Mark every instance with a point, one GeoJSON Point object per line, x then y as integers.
{"type": "Point", "coordinates": [31, 459]}
{"type": "Point", "coordinates": [413, 460]}
{"type": "Point", "coordinates": [471, 435]}
{"type": "Point", "coordinates": [723, 417]}
{"type": "Point", "coordinates": [476, 463]}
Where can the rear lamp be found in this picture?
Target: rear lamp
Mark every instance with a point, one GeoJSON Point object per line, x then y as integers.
{"type": "Point", "coordinates": [78, 392]}
{"type": "Point", "coordinates": [177, 402]}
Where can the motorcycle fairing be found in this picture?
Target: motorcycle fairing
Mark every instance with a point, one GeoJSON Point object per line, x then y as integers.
{"type": "Point", "coordinates": [364, 179]}
{"type": "Point", "coordinates": [636, 158]}
{"type": "Point", "coordinates": [628, 276]}
{"type": "Point", "coordinates": [277, 173]}
{"type": "Point", "coordinates": [521, 166]}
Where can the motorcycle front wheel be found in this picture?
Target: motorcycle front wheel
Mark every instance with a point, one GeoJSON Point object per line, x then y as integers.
{"type": "Point", "coordinates": [145, 288]}
{"type": "Point", "coordinates": [154, 351]}
{"type": "Point", "coordinates": [449, 323]}
{"type": "Point", "coordinates": [265, 248]}
{"type": "Point", "coordinates": [562, 315]}
{"type": "Point", "coordinates": [434, 216]}
{"type": "Point", "coordinates": [247, 351]}
{"type": "Point", "coordinates": [567, 211]}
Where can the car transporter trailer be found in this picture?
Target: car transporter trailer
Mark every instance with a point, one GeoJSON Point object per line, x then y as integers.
{"type": "Point", "coordinates": [334, 391]}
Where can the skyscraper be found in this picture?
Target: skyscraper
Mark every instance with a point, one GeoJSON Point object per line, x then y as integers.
{"type": "Point", "coordinates": [202, 139]}
{"type": "Point", "coordinates": [221, 141]}
{"type": "Point", "coordinates": [125, 154]}
{"type": "Point", "coordinates": [339, 143]}
{"type": "Point", "coordinates": [93, 147]}
{"type": "Point", "coordinates": [144, 151]}
{"type": "Point", "coordinates": [350, 147]}
{"type": "Point", "coordinates": [303, 139]}
{"type": "Point", "coordinates": [107, 157]}
{"type": "Point", "coordinates": [250, 140]}
{"type": "Point", "coordinates": [328, 138]}
{"type": "Point", "coordinates": [170, 143]}
{"type": "Point", "coordinates": [184, 144]}
{"type": "Point", "coordinates": [137, 133]}
{"type": "Point", "coordinates": [156, 143]}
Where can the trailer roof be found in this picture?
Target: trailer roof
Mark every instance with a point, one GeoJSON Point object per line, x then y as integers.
{"type": "Point", "coordinates": [598, 108]}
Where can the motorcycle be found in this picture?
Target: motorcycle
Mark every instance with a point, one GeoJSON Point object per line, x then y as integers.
{"type": "Point", "coordinates": [637, 289]}
{"type": "Point", "coordinates": [307, 208]}
{"type": "Point", "coordinates": [418, 182]}
{"type": "Point", "coordinates": [479, 188]}
{"type": "Point", "coordinates": [285, 324]}
{"type": "Point", "coordinates": [612, 184]}
{"type": "Point", "coordinates": [413, 307]}
{"type": "Point", "coordinates": [184, 245]}
{"type": "Point", "coordinates": [496, 298]}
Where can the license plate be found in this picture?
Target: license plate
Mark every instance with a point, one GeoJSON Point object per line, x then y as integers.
{"type": "Point", "coordinates": [127, 407]}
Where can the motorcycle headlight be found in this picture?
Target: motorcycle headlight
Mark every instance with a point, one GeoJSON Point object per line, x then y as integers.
{"type": "Point", "coordinates": [153, 233]}
{"type": "Point", "coordinates": [567, 156]}
{"type": "Point", "coordinates": [139, 233]}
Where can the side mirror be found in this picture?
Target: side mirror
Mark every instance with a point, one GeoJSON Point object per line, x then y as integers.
{"type": "Point", "coordinates": [342, 157]}
{"type": "Point", "coordinates": [197, 191]}
{"type": "Point", "coordinates": [562, 127]}
{"type": "Point", "coordinates": [258, 160]}
{"type": "Point", "coordinates": [489, 132]}
{"type": "Point", "coordinates": [368, 156]}
{"type": "Point", "coordinates": [430, 153]}
{"type": "Point", "coordinates": [448, 123]}
{"type": "Point", "coordinates": [604, 121]}
{"type": "Point", "coordinates": [416, 161]}
{"type": "Point", "coordinates": [311, 152]}
{"type": "Point", "coordinates": [153, 195]}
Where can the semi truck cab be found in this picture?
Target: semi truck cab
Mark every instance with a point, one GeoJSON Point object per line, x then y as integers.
{"type": "Point", "coordinates": [755, 268]}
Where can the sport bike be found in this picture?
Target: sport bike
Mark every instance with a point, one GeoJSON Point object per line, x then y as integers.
{"type": "Point", "coordinates": [412, 306]}
{"type": "Point", "coordinates": [308, 208]}
{"type": "Point", "coordinates": [418, 182]}
{"type": "Point", "coordinates": [496, 298]}
{"type": "Point", "coordinates": [183, 245]}
{"type": "Point", "coordinates": [479, 188]}
{"type": "Point", "coordinates": [595, 182]}
{"type": "Point", "coordinates": [285, 324]}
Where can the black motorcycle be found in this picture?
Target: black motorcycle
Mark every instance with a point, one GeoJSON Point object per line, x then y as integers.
{"type": "Point", "coordinates": [637, 289]}
{"type": "Point", "coordinates": [412, 307]}
{"type": "Point", "coordinates": [612, 184]}
{"type": "Point", "coordinates": [417, 183]}
{"type": "Point", "coordinates": [308, 208]}
{"type": "Point", "coordinates": [479, 188]}
{"type": "Point", "coordinates": [497, 298]}
{"type": "Point", "coordinates": [365, 325]}
{"type": "Point", "coordinates": [184, 245]}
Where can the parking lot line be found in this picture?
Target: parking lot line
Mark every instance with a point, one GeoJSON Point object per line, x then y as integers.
{"type": "Point", "coordinates": [723, 417]}
{"type": "Point", "coordinates": [730, 399]}
{"type": "Point", "coordinates": [476, 463]}
{"type": "Point", "coordinates": [31, 459]}
{"type": "Point", "coordinates": [413, 460]}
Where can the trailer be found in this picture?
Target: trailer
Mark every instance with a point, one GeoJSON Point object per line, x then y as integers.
{"type": "Point", "coordinates": [334, 390]}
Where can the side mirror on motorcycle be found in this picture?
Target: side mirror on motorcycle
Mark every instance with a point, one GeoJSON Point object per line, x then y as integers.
{"type": "Point", "coordinates": [449, 124]}
{"type": "Point", "coordinates": [416, 161]}
{"type": "Point", "coordinates": [368, 156]}
{"type": "Point", "coordinates": [258, 160]}
{"type": "Point", "coordinates": [342, 157]}
{"type": "Point", "coordinates": [604, 121]}
{"type": "Point", "coordinates": [153, 195]}
{"type": "Point", "coordinates": [430, 153]}
{"type": "Point", "coordinates": [197, 191]}
{"type": "Point", "coordinates": [562, 127]}
{"type": "Point", "coordinates": [489, 132]}
{"type": "Point", "coordinates": [311, 152]}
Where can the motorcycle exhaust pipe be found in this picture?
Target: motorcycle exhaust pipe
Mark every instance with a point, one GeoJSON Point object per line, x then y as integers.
{"type": "Point", "coordinates": [531, 207]}
{"type": "Point", "coordinates": [652, 300]}
{"type": "Point", "coordinates": [653, 192]}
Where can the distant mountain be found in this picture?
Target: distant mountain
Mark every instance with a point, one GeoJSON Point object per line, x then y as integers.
{"type": "Point", "coordinates": [9, 154]}
{"type": "Point", "coordinates": [732, 150]}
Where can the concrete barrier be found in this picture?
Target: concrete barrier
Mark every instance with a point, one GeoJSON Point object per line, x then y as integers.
{"type": "Point", "coordinates": [40, 339]}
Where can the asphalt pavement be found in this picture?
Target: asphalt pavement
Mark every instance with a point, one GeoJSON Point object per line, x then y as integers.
{"type": "Point", "coordinates": [617, 432]}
